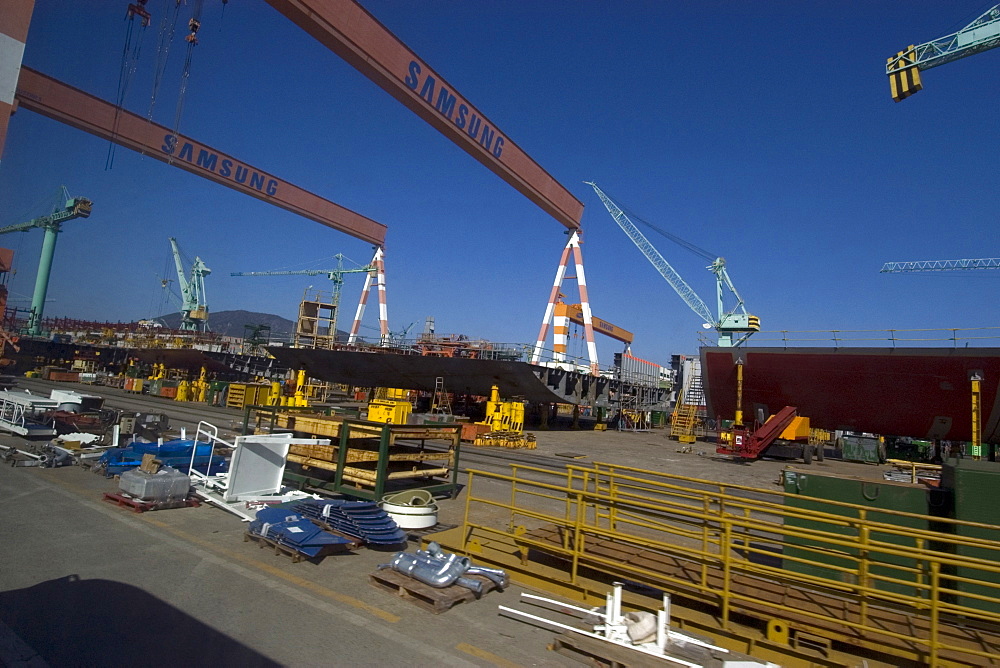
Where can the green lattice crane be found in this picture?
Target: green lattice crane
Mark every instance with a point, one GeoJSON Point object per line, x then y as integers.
{"type": "Point", "coordinates": [734, 325]}
{"type": "Point", "coordinates": [336, 277]}
{"type": "Point", "coordinates": [905, 67]}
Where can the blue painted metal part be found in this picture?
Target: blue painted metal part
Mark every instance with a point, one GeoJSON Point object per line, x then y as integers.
{"type": "Point", "coordinates": [294, 531]}
{"type": "Point", "coordinates": [359, 519]}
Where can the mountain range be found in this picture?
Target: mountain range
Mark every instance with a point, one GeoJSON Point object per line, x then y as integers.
{"type": "Point", "coordinates": [236, 323]}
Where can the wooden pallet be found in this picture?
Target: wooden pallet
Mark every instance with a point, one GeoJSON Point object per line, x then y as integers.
{"type": "Point", "coordinates": [278, 548]}
{"type": "Point", "coordinates": [429, 598]}
{"type": "Point", "coordinates": [140, 506]}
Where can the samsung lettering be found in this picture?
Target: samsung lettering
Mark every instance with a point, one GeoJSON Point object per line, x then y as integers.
{"type": "Point", "coordinates": [445, 103]}
{"type": "Point", "coordinates": [226, 168]}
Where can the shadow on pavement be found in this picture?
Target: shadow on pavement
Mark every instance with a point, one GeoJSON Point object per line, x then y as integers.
{"type": "Point", "coordinates": [74, 622]}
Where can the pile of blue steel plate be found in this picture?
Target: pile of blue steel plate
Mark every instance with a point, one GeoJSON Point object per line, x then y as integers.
{"type": "Point", "coordinates": [294, 531]}
{"type": "Point", "coordinates": [175, 453]}
{"type": "Point", "coordinates": [359, 519]}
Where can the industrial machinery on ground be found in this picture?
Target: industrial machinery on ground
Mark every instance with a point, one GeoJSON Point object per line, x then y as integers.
{"type": "Point", "coordinates": [506, 422]}
{"type": "Point", "coordinates": [194, 305]}
{"type": "Point", "coordinates": [784, 434]}
{"type": "Point", "coordinates": [904, 68]}
{"type": "Point", "coordinates": [391, 405]}
{"type": "Point", "coordinates": [734, 325]}
{"type": "Point", "coordinates": [72, 207]}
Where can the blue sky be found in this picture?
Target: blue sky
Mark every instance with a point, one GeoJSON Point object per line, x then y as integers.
{"type": "Point", "coordinates": [760, 131]}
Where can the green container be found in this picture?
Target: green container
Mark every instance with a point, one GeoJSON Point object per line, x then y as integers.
{"type": "Point", "coordinates": [861, 449]}
{"type": "Point", "coordinates": [153, 387]}
{"type": "Point", "coordinates": [216, 392]}
{"type": "Point", "coordinates": [814, 491]}
{"type": "Point", "coordinates": [976, 489]}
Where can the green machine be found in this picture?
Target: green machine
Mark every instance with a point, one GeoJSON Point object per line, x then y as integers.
{"type": "Point", "coordinates": [975, 485]}
{"type": "Point", "coordinates": [814, 492]}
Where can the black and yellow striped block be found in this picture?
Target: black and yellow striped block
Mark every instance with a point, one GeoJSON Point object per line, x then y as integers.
{"type": "Point", "coordinates": [904, 76]}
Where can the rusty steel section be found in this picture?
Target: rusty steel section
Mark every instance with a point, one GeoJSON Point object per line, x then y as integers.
{"type": "Point", "coordinates": [347, 29]}
{"type": "Point", "coordinates": [49, 97]}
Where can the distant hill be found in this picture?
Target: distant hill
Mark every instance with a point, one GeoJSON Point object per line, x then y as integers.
{"type": "Point", "coordinates": [233, 323]}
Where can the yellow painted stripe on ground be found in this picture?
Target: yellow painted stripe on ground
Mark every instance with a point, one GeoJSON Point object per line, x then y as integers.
{"type": "Point", "coordinates": [472, 650]}
{"type": "Point", "coordinates": [277, 572]}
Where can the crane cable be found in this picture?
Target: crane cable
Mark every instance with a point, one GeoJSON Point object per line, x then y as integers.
{"type": "Point", "coordinates": [130, 59]}
{"type": "Point", "coordinates": [697, 250]}
{"type": "Point", "coordinates": [192, 39]}
{"type": "Point", "coordinates": [166, 37]}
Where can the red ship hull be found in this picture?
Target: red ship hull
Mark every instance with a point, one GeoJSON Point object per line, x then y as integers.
{"type": "Point", "coordinates": [917, 392]}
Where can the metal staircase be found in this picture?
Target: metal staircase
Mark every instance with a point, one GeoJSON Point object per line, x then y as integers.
{"type": "Point", "coordinates": [685, 417]}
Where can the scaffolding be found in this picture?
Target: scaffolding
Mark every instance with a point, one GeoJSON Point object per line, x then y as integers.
{"type": "Point", "coordinates": [316, 324]}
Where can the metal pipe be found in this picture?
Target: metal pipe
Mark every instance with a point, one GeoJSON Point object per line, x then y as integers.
{"type": "Point", "coordinates": [497, 576]}
{"type": "Point", "coordinates": [430, 570]}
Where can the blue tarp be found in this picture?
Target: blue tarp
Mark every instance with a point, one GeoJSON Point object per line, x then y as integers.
{"type": "Point", "coordinates": [175, 453]}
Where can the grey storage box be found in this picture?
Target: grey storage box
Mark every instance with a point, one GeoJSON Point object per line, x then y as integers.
{"type": "Point", "coordinates": [167, 484]}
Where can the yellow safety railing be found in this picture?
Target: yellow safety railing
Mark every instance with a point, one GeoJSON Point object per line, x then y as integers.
{"type": "Point", "coordinates": [921, 593]}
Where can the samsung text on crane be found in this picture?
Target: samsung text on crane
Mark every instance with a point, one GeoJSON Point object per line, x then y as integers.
{"type": "Point", "coordinates": [226, 167]}
{"type": "Point", "coordinates": [463, 117]}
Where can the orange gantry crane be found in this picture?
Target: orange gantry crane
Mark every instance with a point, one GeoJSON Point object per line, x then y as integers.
{"type": "Point", "coordinates": [348, 30]}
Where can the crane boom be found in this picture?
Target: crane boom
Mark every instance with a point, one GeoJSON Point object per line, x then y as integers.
{"type": "Point", "coordinates": [680, 286]}
{"type": "Point", "coordinates": [336, 276]}
{"type": "Point", "coordinates": [904, 68]}
{"type": "Point", "coordinates": [940, 265]}
{"type": "Point", "coordinates": [76, 207]}
{"type": "Point", "coordinates": [736, 321]}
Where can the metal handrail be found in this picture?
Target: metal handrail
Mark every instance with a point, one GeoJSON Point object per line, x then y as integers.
{"type": "Point", "coordinates": [724, 544]}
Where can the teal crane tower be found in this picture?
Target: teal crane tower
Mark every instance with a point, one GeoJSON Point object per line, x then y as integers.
{"type": "Point", "coordinates": [194, 304]}
{"type": "Point", "coordinates": [72, 208]}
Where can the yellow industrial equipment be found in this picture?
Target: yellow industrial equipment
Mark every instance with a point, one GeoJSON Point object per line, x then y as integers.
{"type": "Point", "coordinates": [241, 395]}
{"type": "Point", "coordinates": [504, 415]}
{"type": "Point", "coordinates": [199, 388]}
{"type": "Point", "coordinates": [390, 406]}
{"type": "Point", "coordinates": [506, 422]}
{"type": "Point", "coordinates": [183, 391]}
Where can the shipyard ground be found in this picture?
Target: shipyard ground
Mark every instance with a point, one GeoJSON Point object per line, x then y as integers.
{"type": "Point", "coordinates": [84, 582]}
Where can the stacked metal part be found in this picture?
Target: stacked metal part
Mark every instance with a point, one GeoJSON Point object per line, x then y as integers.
{"type": "Point", "coordinates": [359, 519]}
{"type": "Point", "coordinates": [294, 531]}
{"type": "Point", "coordinates": [441, 569]}
{"type": "Point", "coordinates": [175, 453]}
